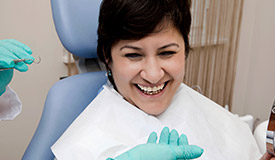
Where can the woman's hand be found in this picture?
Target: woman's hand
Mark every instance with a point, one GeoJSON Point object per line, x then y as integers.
{"type": "Point", "coordinates": [267, 156]}
{"type": "Point", "coordinates": [170, 147]}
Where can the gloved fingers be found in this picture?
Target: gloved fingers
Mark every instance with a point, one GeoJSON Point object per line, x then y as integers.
{"type": "Point", "coordinates": [183, 140]}
{"type": "Point", "coordinates": [174, 136]}
{"type": "Point", "coordinates": [164, 136]}
{"type": "Point", "coordinates": [6, 60]}
{"type": "Point", "coordinates": [17, 51]}
{"type": "Point", "coordinates": [188, 151]}
{"type": "Point", "coordinates": [19, 45]}
{"type": "Point", "coordinates": [6, 64]}
{"type": "Point", "coordinates": [31, 59]}
{"type": "Point", "coordinates": [21, 66]}
{"type": "Point", "coordinates": [152, 138]}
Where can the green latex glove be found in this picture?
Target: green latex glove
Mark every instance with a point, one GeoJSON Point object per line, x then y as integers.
{"type": "Point", "coordinates": [10, 50]}
{"type": "Point", "coordinates": [170, 147]}
{"type": "Point", "coordinates": [5, 77]}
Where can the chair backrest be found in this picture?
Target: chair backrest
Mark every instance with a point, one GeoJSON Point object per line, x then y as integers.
{"type": "Point", "coordinates": [76, 23]}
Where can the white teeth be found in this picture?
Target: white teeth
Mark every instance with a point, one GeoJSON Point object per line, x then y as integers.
{"type": "Point", "coordinates": [151, 90]}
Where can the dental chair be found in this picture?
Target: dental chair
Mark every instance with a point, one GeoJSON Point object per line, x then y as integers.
{"type": "Point", "coordinates": [76, 23]}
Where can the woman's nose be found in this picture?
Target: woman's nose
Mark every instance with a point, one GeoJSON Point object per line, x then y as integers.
{"type": "Point", "coordinates": [152, 71]}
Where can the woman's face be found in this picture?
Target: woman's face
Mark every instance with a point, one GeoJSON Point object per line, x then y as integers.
{"type": "Point", "coordinates": [148, 72]}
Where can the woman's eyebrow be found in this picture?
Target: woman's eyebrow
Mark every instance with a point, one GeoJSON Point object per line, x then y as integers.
{"type": "Point", "coordinates": [131, 47]}
{"type": "Point", "coordinates": [140, 49]}
{"type": "Point", "coordinates": [168, 45]}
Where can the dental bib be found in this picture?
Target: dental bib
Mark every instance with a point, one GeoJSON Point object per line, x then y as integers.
{"type": "Point", "coordinates": [110, 126]}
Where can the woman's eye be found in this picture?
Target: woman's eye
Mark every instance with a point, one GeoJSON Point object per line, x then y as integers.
{"type": "Point", "coordinates": [167, 53]}
{"type": "Point", "coordinates": [133, 55]}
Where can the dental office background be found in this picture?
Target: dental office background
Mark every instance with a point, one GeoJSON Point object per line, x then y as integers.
{"type": "Point", "coordinates": [30, 21]}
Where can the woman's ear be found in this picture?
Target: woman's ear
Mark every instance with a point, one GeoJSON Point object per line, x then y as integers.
{"type": "Point", "coordinates": [108, 63]}
{"type": "Point", "coordinates": [107, 60]}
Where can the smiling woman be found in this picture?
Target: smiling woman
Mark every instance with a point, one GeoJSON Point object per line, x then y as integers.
{"type": "Point", "coordinates": [144, 45]}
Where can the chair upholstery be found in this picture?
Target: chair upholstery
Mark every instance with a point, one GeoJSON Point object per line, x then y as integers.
{"type": "Point", "coordinates": [76, 23]}
{"type": "Point", "coordinates": [65, 101]}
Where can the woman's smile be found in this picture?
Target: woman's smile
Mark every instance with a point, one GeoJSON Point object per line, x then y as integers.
{"type": "Point", "coordinates": [150, 90]}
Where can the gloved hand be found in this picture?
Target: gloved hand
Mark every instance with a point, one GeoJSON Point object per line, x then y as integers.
{"type": "Point", "coordinates": [170, 147]}
{"type": "Point", "coordinates": [5, 77]}
{"type": "Point", "coordinates": [10, 50]}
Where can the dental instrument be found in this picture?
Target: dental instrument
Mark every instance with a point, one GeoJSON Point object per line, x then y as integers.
{"type": "Point", "coordinates": [22, 60]}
